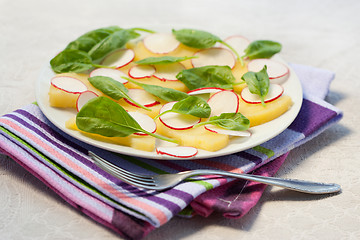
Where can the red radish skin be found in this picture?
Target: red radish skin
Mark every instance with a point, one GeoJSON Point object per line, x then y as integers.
{"type": "Point", "coordinates": [83, 98]}
{"type": "Point", "coordinates": [145, 105]}
{"type": "Point", "coordinates": [141, 71]}
{"type": "Point", "coordinates": [275, 91]}
{"type": "Point", "coordinates": [168, 72]}
{"type": "Point", "coordinates": [278, 72]}
{"type": "Point", "coordinates": [204, 90]}
{"type": "Point", "coordinates": [142, 97]}
{"type": "Point", "coordinates": [218, 130]}
{"type": "Point", "coordinates": [145, 122]}
{"type": "Point", "coordinates": [224, 102]}
{"type": "Point", "coordinates": [68, 84]}
{"type": "Point", "coordinates": [119, 58]}
{"type": "Point", "coordinates": [112, 73]}
{"type": "Point", "coordinates": [176, 121]}
{"type": "Point", "coordinates": [214, 56]}
{"type": "Point", "coordinates": [178, 152]}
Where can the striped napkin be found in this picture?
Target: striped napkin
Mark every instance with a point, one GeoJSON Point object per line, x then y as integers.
{"type": "Point", "coordinates": [63, 164]}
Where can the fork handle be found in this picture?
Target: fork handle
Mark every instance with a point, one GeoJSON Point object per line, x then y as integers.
{"type": "Point", "coordinates": [292, 184]}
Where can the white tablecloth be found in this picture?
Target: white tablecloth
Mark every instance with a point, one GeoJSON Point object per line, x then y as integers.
{"type": "Point", "coordinates": [324, 34]}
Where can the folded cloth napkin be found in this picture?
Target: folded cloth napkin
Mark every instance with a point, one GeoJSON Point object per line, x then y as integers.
{"type": "Point", "coordinates": [235, 199]}
{"type": "Point", "coordinates": [62, 163]}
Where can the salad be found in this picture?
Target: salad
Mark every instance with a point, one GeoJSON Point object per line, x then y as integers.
{"type": "Point", "coordinates": [187, 87]}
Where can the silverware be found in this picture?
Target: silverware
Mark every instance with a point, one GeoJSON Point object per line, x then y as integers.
{"type": "Point", "coordinates": [165, 181]}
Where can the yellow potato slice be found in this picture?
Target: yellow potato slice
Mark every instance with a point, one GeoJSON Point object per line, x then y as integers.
{"type": "Point", "coordinates": [259, 114]}
{"type": "Point", "coordinates": [61, 99]}
{"type": "Point", "coordinates": [140, 142]}
{"type": "Point", "coordinates": [197, 137]}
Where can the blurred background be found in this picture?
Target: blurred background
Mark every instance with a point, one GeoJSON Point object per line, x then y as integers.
{"type": "Point", "coordinates": [323, 34]}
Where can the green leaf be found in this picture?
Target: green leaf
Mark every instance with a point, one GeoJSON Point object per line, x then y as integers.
{"type": "Point", "coordinates": [167, 94]}
{"type": "Point", "coordinates": [207, 76]}
{"type": "Point", "coordinates": [194, 106]}
{"type": "Point", "coordinates": [110, 87]}
{"type": "Point", "coordinates": [199, 39]}
{"type": "Point", "coordinates": [162, 60]}
{"type": "Point", "coordinates": [114, 89]}
{"type": "Point", "coordinates": [112, 42]}
{"type": "Point", "coordinates": [142, 30]}
{"type": "Point", "coordinates": [83, 53]}
{"type": "Point", "coordinates": [258, 82]}
{"type": "Point", "coordinates": [191, 105]}
{"type": "Point", "coordinates": [103, 116]}
{"type": "Point", "coordinates": [262, 49]}
{"type": "Point", "coordinates": [71, 60]}
{"type": "Point", "coordinates": [229, 121]}
{"type": "Point", "coordinates": [88, 40]}
{"type": "Point", "coordinates": [195, 38]}
{"type": "Point", "coordinates": [79, 55]}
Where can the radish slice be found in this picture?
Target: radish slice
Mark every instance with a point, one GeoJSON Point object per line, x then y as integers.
{"type": "Point", "coordinates": [214, 56]}
{"type": "Point", "coordinates": [141, 96]}
{"type": "Point", "coordinates": [68, 84]}
{"type": "Point", "coordinates": [275, 91]}
{"type": "Point", "coordinates": [239, 43]}
{"type": "Point", "coordinates": [278, 72]}
{"type": "Point", "coordinates": [224, 131]}
{"type": "Point", "coordinates": [119, 58]}
{"type": "Point", "coordinates": [112, 73]}
{"type": "Point", "coordinates": [161, 43]}
{"type": "Point", "coordinates": [168, 72]}
{"type": "Point", "coordinates": [223, 102]}
{"type": "Point", "coordinates": [204, 90]}
{"type": "Point", "coordinates": [177, 121]}
{"type": "Point", "coordinates": [83, 98]}
{"type": "Point", "coordinates": [180, 151]}
{"type": "Point", "coordinates": [145, 122]}
{"type": "Point", "coordinates": [141, 71]}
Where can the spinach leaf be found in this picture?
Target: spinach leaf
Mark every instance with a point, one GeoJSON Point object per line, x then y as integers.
{"type": "Point", "coordinates": [191, 105]}
{"type": "Point", "coordinates": [167, 94]}
{"type": "Point", "coordinates": [194, 106]}
{"type": "Point", "coordinates": [88, 40]}
{"type": "Point", "coordinates": [142, 30]}
{"type": "Point", "coordinates": [207, 76]}
{"type": "Point", "coordinates": [162, 60]}
{"type": "Point", "coordinates": [83, 53]}
{"type": "Point", "coordinates": [229, 121]}
{"type": "Point", "coordinates": [199, 39]}
{"type": "Point", "coordinates": [71, 60]}
{"type": "Point", "coordinates": [196, 38]}
{"type": "Point", "coordinates": [258, 82]}
{"type": "Point", "coordinates": [262, 49]}
{"type": "Point", "coordinates": [103, 116]}
{"type": "Point", "coordinates": [112, 88]}
{"type": "Point", "coordinates": [186, 104]}
{"type": "Point", "coordinates": [110, 43]}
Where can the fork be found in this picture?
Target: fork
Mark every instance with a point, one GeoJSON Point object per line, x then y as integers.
{"type": "Point", "coordinates": [164, 181]}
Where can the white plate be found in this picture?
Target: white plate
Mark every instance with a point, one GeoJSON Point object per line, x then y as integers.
{"type": "Point", "coordinates": [260, 134]}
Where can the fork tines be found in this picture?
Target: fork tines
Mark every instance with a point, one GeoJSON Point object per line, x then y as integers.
{"type": "Point", "coordinates": [129, 177]}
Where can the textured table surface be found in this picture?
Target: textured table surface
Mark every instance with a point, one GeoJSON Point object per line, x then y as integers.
{"type": "Point", "coordinates": [324, 34]}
